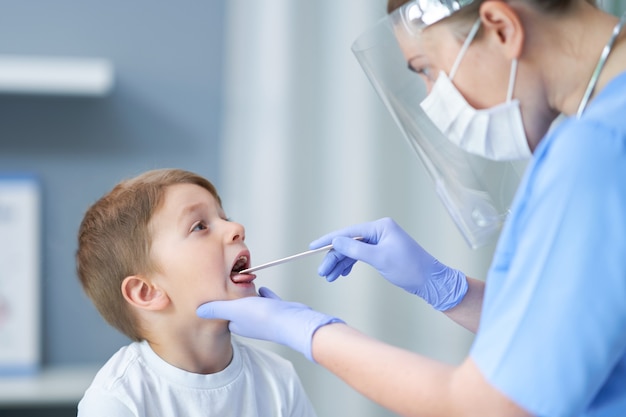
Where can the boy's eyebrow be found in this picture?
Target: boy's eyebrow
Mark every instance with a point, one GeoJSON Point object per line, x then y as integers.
{"type": "Point", "coordinates": [191, 209]}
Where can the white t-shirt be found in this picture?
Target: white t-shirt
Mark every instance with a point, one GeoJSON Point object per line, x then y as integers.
{"type": "Point", "coordinates": [137, 382]}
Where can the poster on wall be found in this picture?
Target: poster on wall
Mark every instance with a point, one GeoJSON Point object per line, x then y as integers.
{"type": "Point", "coordinates": [20, 229]}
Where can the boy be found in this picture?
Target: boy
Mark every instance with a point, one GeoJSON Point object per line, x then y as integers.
{"type": "Point", "coordinates": [149, 253]}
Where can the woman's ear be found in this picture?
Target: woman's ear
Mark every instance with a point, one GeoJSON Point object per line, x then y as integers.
{"type": "Point", "coordinates": [143, 294]}
{"type": "Point", "coordinates": [503, 24]}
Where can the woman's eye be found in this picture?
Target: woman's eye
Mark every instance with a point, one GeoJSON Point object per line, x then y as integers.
{"type": "Point", "coordinates": [425, 72]}
{"type": "Point", "coordinates": [198, 227]}
{"type": "Point", "coordinates": [422, 70]}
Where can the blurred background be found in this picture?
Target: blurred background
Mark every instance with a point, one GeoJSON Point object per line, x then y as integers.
{"type": "Point", "coordinates": [266, 100]}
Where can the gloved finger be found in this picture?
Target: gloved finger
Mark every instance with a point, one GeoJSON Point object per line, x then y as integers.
{"type": "Point", "coordinates": [333, 275]}
{"type": "Point", "coordinates": [323, 240]}
{"type": "Point", "coordinates": [347, 270]}
{"type": "Point", "coordinates": [236, 327]}
{"type": "Point", "coordinates": [215, 310]}
{"type": "Point", "coordinates": [331, 259]}
{"type": "Point", "coordinates": [341, 268]}
{"type": "Point", "coordinates": [267, 293]}
{"type": "Point", "coordinates": [355, 249]}
{"type": "Point", "coordinates": [365, 230]}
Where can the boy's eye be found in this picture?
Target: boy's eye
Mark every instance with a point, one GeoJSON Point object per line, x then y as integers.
{"type": "Point", "coordinates": [198, 227]}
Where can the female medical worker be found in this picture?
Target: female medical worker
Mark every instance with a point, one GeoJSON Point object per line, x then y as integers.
{"type": "Point", "coordinates": [552, 334]}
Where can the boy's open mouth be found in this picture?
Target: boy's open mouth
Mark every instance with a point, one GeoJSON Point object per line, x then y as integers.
{"type": "Point", "coordinates": [241, 263]}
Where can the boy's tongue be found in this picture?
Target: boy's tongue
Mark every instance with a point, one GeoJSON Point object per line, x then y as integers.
{"type": "Point", "coordinates": [242, 278]}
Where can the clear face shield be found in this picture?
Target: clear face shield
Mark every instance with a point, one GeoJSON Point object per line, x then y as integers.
{"type": "Point", "coordinates": [477, 192]}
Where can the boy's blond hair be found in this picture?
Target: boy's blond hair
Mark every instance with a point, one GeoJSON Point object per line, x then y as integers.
{"type": "Point", "coordinates": [114, 241]}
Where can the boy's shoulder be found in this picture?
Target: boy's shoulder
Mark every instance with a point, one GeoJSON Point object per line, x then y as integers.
{"type": "Point", "coordinates": [117, 368]}
{"type": "Point", "coordinates": [100, 396]}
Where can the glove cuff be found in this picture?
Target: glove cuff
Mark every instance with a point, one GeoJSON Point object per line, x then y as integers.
{"type": "Point", "coordinates": [451, 288]}
{"type": "Point", "coordinates": [323, 320]}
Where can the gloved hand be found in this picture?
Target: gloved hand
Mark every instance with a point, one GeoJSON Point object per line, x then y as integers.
{"type": "Point", "coordinates": [397, 257]}
{"type": "Point", "coordinates": [269, 318]}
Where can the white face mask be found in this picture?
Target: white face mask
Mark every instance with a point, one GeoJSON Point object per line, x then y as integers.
{"type": "Point", "coordinates": [496, 133]}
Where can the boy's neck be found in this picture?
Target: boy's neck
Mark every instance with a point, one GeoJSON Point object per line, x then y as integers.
{"type": "Point", "coordinates": [201, 353]}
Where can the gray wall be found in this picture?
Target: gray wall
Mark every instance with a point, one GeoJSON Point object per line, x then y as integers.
{"type": "Point", "coordinates": [164, 111]}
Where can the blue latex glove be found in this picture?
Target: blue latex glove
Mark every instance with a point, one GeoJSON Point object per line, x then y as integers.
{"type": "Point", "coordinates": [269, 318]}
{"type": "Point", "coordinates": [397, 257]}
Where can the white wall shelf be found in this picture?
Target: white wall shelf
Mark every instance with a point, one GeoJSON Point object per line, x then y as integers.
{"type": "Point", "coordinates": [67, 76]}
{"type": "Point", "coordinates": [53, 385]}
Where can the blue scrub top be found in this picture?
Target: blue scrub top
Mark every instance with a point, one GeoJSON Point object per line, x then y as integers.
{"type": "Point", "coordinates": [552, 335]}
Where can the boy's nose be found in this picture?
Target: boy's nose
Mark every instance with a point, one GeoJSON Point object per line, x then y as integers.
{"type": "Point", "coordinates": [236, 232]}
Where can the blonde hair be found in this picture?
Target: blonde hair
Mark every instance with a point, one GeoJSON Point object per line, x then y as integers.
{"type": "Point", "coordinates": [471, 11]}
{"type": "Point", "coordinates": [462, 20]}
{"type": "Point", "coordinates": [114, 241]}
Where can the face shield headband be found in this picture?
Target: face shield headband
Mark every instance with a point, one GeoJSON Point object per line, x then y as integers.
{"type": "Point", "coordinates": [417, 15]}
{"type": "Point", "coordinates": [477, 192]}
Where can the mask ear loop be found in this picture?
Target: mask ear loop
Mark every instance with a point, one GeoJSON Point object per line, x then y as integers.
{"type": "Point", "coordinates": [512, 75]}
{"type": "Point", "coordinates": [466, 44]}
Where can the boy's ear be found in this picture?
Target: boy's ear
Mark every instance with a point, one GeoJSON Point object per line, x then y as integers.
{"type": "Point", "coordinates": [143, 294]}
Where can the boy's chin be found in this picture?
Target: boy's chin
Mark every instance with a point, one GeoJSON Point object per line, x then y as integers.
{"type": "Point", "coordinates": [246, 292]}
